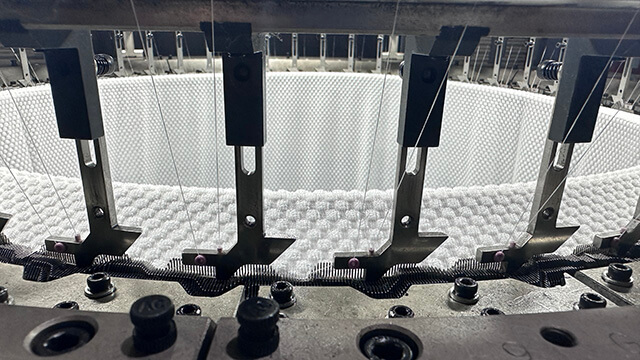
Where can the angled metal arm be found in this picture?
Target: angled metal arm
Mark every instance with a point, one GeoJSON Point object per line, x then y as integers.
{"type": "Point", "coordinates": [420, 121]}
{"type": "Point", "coordinates": [574, 117]}
{"type": "Point", "coordinates": [74, 87]}
{"type": "Point", "coordinates": [621, 241]}
{"type": "Point", "coordinates": [244, 84]}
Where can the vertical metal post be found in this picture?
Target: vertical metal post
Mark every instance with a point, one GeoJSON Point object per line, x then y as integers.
{"type": "Point", "coordinates": [129, 44]}
{"type": "Point", "coordinates": [620, 97]}
{"type": "Point", "coordinates": [351, 53]}
{"type": "Point", "coordinates": [267, 51]}
{"type": "Point", "coordinates": [465, 69]}
{"type": "Point", "coordinates": [149, 54]}
{"type": "Point", "coordinates": [323, 53]}
{"type": "Point", "coordinates": [294, 52]}
{"type": "Point", "coordinates": [179, 52]}
{"type": "Point", "coordinates": [118, 38]}
{"type": "Point", "coordinates": [528, 60]}
{"type": "Point", "coordinates": [497, 61]}
{"type": "Point", "coordinates": [24, 65]}
{"type": "Point", "coordinates": [379, 43]}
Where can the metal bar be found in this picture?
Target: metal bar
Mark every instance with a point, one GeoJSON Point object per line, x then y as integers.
{"type": "Point", "coordinates": [323, 53]}
{"type": "Point", "coordinates": [497, 60]}
{"type": "Point", "coordinates": [24, 65]}
{"type": "Point", "coordinates": [267, 51]}
{"type": "Point", "coordinates": [379, 44]}
{"type": "Point", "coordinates": [294, 52]}
{"type": "Point", "coordinates": [588, 18]}
{"type": "Point", "coordinates": [118, 38]}
{"type": "Point", "coordinates": [528, 63]}
{"type": "Point", "coordinates": [351, 53]}
{"type": "Point", "coordinates": [180, 52]}
{"type": "Point", "coordinates": [149, 53]}
{"type": "Point", "coordinates": [620, 97]}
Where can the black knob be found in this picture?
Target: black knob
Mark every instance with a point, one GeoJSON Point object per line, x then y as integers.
{"type": "Point", "coordinates": [154, 329]}
{"type": "Point", "coordinates": [4, 294]}
{"type": "Point", "coordinates": [99, 285]}
{"type": "Point", "coordinates": [258, 334]}
{"type": "Point", "coordinates": [465, 287]}
{"type": "Point", "coordinates": [591, 301]}
{"type": "Point", "coordinates": [282, 293]}
{"type": "Point", "coordinates": [619, 272]}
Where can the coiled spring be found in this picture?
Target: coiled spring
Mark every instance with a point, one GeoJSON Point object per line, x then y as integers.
{"type": "Point", "coordinates": [104, 64]}
{"type": "Point", "coordinates": [549, 69]}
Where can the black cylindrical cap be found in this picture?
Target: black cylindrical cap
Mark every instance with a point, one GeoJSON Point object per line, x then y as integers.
{"type": "Point", "coordinates": [258, 313]}
{"type": "Point", "coordinates": [282, 293]}
{"type": "Point", "coordinates": [591, 301]}
{"type": "Point", "coordinates": [619, 272]}
{"type": "Point", "coordinates": [98, 282]}
{"type": "Point", "coordinates": [154, 329]}
{"type": "Point", "coordinates": [4, 294]}
{"type": "Point", "coordinates": [465, 287]}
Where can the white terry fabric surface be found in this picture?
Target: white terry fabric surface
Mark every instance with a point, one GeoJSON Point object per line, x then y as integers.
{"type": "Point", "coordinates": [320, 130]}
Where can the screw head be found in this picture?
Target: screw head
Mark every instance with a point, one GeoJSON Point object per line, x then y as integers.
{"type": "Point", "coordinates": [189, 310]}
{"type": "Point", "coordinates": [69, 305]}
{"type": "Point", "coordinates": [99, 285]}
{"type": "Point", "coordinates": [258, 313]}
{"type": "Point", "coordinates": [591, 301]}
{"type": "Point", "coordinates": [98, 212]}
{"type": "Point", "coordinates": [619, 272]}
{"type": "Point", "coordinates": [353, 263]}
{"type": "Point", "coordinates": [498, 256]}
{"type": "Point", "coordinates": [282, 292]}
{"type": "Point", "coordinates": [200, 260]}
{"type": "Point", "coordinates": [400, 311]}
{"type": "Point", "coordinates": [59, 247]}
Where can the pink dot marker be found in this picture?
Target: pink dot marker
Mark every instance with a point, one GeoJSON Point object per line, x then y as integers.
{"type": "Point", "coordinates": [200, 260]}
{"type": "Point", "coordinates": [498, 256]}
{"type": "Point", "coordinates": [59, 247]}
{"type": "Point", "coordinates": [353, 263]}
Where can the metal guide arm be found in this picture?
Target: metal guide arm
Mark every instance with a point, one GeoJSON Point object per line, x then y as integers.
{"type": "Point", "coordinates": [422, 101]}
{"type": "Point", "coordinates": [574, 117]}
{"type": "Point", "coordinates": [70, 63]}
{"type": "Point", "coordinates": [244, 84]}
{"type": "Point", "coordinates": [621, 241]}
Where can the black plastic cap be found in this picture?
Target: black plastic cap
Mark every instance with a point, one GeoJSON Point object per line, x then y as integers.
{"type": "Point", "coordinates": [99, 282]}
{"type": "Point", "coordinates": [258, 313]}
{"type": "Point", "coordinates": [591, 301]}
{"type": "Point", "coordinates": [465, 287]}
{"type": "Point", "coordinates": [619, 272]}
{"type": "Point", "coordinates": [152, 311]}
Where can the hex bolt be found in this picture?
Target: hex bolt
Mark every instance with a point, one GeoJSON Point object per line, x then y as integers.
{"type": "Point", "coordinates": [400, 311]}
{"type": "Point", "coordinates": [154, 329]}
{"type": "Point", "coordinates": [258, 334]}
{"type": "Point", "coordinates": [189, 310]}
{"type": "Point", "coordinates": [5, 298]}
{"type": "Point", "coordinates": [618, 275]}
{"type": "Point", "coordinates": [99, 285]}
{"type": "Point", "coordinates": [69, 305]}
{"type": "Point", "coordinates": [591, 301]}
{"type": "Point", "coordinates": [464, 291]}
{"type": "Point", "coordinates": [282, 293]}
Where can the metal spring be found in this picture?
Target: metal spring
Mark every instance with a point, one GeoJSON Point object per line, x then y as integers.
{"type": "Point", "coordinates": [104, 64]}
{"type": "Point", "coordinates": [549, 69]}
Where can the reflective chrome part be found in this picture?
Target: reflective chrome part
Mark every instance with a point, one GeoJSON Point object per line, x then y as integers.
{"type": "Point", "coordinates": [179, 52]}
{"type": "Point", "coordinates": [497, 61]}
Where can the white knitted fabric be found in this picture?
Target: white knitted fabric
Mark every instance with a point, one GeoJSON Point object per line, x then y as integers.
{"type": "Point", "coordinates": [320, 132]}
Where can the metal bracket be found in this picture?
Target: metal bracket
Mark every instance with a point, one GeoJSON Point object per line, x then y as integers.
{"type": "Point", "coordinates": [252, 246]}
{"type": "Point", "coordinates": [294, 52]}
{"type": "Point", "coordinates": [351, 53]}
{"type": "Point", "coordinates": [620, 97]}
{"type": "Point", "coordinates": [323, 53]}
{"type": "Point", "coordinates": [149, 53]}
{"type": "Point", "coordinates": [105, 235]}
{"type": "Point", "coordinates": [528, 62]}
{"type": "Point", "coordinates": [24, 65]}
{"type": "Point", "coordinates": [497, 61]}
{"type": "Point", "coordinates": [423, 91]}
{"type": "Point", "coordinates": [119, 40]}
{"type": "Point", "coordinates": [379, 43]}
{"type": "Point", "coordinates": [465, 69]}
{"type": "Point", "coordinates": [542, 234]}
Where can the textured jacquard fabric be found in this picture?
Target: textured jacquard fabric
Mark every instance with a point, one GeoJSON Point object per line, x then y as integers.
{"type": "Point", "coordinates": [320, 132]}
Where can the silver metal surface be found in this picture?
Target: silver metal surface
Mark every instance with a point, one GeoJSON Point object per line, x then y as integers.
{"type": "Point", "coordinates": [149, 53]}
{"type": "Point", "coordinates": [596, 334]}
{"type": "Point", "coordinates": [528, 63]}
{"type": "Point", "coordinates": [112, 339]}
{"type": "Point", "coordinates": [294, 52]}
{"type": "Point", "coordinates": [497, 60]}
{"type": "Point", "coordinates": [379, 43]}
{"type": "Point", "coordinates": [119, 40]}
{"type": "Point", "coordinates": [543, 236]}
{"type": "Point", "coordinates": [619, 295]}
{"type": "Point", "coordinates": [71, 288]}
{"type": "Point", "coordinates": [504, 17]}
{"type": "Point", "coordinates": [351, 53]}
{"type": "Point", "coordinates": [432, 300]}
{"type": "Point", "coordinates": [24, 65]}
{"type": "Point", "coordinates": [252, 246]}
{"type": "Point", "coordinates": [105, 235]}
{"type": "Point", "coordinates": [406, 244]}
{"type": "Point", "coordinates": [323, 53]}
